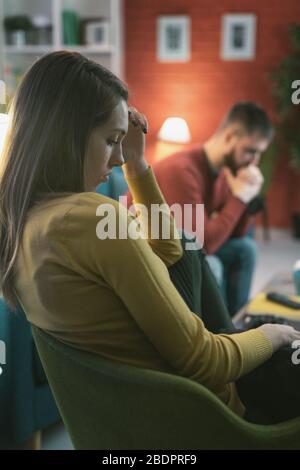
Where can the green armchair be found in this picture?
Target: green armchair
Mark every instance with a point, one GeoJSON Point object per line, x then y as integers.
{"type": "Point", "coordinates": [109, 405]}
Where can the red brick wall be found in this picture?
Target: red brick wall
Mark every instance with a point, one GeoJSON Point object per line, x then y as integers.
{"type": "Point", "coordinates": [203, 89]}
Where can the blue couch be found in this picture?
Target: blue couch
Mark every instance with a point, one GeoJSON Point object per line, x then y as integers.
{"type": "Point", "coordinates": [116, 185]}
{"type": "Point", "coordinates": [26, 401]}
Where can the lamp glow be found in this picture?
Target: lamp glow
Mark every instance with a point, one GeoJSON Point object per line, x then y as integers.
{"type": "Point", "coordinates": [175, 129]}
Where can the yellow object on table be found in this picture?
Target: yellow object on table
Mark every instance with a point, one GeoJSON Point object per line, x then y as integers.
{"type": "Point", "coordinates": [261, 305]}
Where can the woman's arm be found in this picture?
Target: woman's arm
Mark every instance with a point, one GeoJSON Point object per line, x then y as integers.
{"type": "Point", "coordinates": [148, 199]}
{"type": "Point", "coordinates": [155, 217]}
{"type": "Point", "coordinates": [141, 280]}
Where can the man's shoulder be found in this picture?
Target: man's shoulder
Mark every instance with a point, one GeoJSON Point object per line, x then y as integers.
{"type": "Point", "coordinates": [184, 160]}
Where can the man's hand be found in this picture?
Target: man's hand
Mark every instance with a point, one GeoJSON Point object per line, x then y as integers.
{"type": "Point", "coordinates": [251, 174]}
{"type": "Point", "coordinates": [246, 184]}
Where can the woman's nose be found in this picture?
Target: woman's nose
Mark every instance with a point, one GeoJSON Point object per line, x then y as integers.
{"type": "Point", "coordinates": [117, 157]}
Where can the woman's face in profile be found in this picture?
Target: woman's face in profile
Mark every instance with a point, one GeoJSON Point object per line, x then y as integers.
{"type": "Point", "coordinates": [104, 150]}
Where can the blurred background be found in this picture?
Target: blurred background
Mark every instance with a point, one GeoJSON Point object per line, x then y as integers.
{"type": "Point", "coordinates": [200, 86]}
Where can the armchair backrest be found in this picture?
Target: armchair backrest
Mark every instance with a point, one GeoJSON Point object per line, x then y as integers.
{"type": "Point", "coordinates": [110, 405]}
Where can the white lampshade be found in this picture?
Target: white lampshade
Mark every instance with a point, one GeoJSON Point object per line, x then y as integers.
{"type": "Point", "coordinates": [175, 129]}
{"type": "Point", "coordinates": [3, 129]}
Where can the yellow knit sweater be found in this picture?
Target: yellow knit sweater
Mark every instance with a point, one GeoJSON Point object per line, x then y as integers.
{"type": "Point", "coordinates": [114, 297]}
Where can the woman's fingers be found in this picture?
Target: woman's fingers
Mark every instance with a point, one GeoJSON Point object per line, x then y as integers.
{"type": "Point", "coordinates": [135, 116]}
{"type": "Point", "coordinates": [145, 123]}
{"type": "Point", "coordinates": [138, 119]}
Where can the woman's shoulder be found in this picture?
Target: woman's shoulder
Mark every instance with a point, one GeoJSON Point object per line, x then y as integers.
{"type": "Point", "coordinates": [71, 211]}
{"type": "Point", "coordinates": [90, 203]}
{"type": "Point", "coordinates": [64, 203]}
{"type": "Point", "coordinates": [87, 201]}
{"type": "Point", "coordinates": [87, 207]}
{"type": "Point", "coordinates": [76, 199]}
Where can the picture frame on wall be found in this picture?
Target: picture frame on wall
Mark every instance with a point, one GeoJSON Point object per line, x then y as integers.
{"type": "Point", "coordinates": [173, 38]}
{"type": "Point", "coordinates": [238, 37]}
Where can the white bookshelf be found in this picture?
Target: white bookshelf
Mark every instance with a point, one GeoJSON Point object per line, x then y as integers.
{"type": "Point", "coordinates": [42, 49]}
{"type": "Point", "coordinates": [21, 57]}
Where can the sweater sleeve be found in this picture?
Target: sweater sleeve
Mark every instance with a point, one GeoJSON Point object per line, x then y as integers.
{"type": "Point", "coordinates": [141, 280]}
{"type": "Point", "coordinates": [243, 226]}
{"type": "Point", "coordinates": [220, 228]}
{"type": "Point", "coordinates": [146, 193]}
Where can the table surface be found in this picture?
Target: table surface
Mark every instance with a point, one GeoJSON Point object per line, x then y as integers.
{"type": "Point", "coordinates": [282, 282]}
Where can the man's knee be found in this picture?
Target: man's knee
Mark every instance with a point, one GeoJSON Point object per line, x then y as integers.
{"type": "Point", "coordinates": [247, 249]}
{"type": "Point", "coordinates": [242, 250]}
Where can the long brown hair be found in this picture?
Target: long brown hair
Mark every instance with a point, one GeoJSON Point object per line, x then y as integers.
{"type": "Point", "coordinates": [59, 101]}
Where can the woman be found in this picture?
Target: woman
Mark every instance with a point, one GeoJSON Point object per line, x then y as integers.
{"type": "Point", "coordinates": [70, 125]}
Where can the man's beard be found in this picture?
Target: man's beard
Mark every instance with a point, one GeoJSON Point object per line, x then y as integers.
{"type": "Point", "coordinates": [229, 162]}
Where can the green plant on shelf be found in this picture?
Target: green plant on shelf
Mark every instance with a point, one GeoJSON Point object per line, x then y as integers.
{"type": "Point", "coordinates": [17, 22]}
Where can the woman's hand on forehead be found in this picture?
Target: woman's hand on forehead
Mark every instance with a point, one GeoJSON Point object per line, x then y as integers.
{"type": "Point", "coordinates": [138, 119]}
{"type": "Point", "coordinates": [134, 144]}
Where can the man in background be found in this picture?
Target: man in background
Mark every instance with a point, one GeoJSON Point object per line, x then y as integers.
{"type": "Point", "coordinates": [223, 175]}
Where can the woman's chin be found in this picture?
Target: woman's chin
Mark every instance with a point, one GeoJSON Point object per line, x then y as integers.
{"type": "Point", "coordinates": [103, 179]}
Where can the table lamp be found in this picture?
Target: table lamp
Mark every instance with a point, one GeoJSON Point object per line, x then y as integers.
{"type": "Point", "coordinates": [172, 136]}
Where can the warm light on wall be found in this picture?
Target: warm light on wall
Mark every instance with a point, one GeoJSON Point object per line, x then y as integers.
{"type": "Point", "coordinates": [3, 129]}
{"type": "Point", "coordinates": [175, 129]}
{"type": "Point", "coordinates": [172, 137]}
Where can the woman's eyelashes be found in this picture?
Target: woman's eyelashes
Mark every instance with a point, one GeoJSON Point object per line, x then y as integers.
{"type": "Point", "coordinates": [116, 141]}
{"type": "Point", "coordinates": [112, 142]}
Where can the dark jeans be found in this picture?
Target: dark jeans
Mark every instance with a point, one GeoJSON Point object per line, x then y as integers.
{"type": "Point", "coordinates": [271, 392]}
{"type": "Point", "coordinates": [236, 261]}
